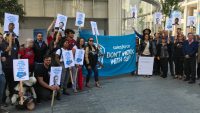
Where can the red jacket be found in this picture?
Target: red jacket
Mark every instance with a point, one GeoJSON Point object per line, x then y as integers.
{"type": "Point", "coordinates": [28, 53]}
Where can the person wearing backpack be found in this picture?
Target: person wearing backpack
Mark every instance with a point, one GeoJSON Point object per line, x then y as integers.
{"type": "Point", "coordinates": [91, 60]}
{"type": "Point", "coordinates": [65, 71]}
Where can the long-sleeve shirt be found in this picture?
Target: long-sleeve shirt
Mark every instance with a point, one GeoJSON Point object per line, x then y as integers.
{"type": "Point", "coordinates": [190, 49]}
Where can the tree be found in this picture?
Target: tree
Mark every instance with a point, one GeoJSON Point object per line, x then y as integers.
{"type": "Point", "coordinates": [11, 6]}
{"type": "Point", "coordinates": [141, 19]}
{"type": "Point", "coordinates": [168, 6]}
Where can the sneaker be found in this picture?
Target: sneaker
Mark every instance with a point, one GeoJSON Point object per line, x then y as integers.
{"type": "Point", "coordinates": [75, 91]}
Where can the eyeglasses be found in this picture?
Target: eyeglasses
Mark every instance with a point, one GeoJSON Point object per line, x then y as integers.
{"type": "Point", "coordinates": [91, 40]}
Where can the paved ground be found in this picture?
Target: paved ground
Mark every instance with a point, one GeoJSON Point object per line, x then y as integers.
{"type": "Point", "coordinates": [127, 94]}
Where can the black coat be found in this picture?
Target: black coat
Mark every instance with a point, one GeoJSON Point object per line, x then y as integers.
{"type": "Point", "coordinates": [169, 46]}
{"type": "Point", "coordinates": [39, 51]}
{"type": "Point", "coordinates": [143, 45]}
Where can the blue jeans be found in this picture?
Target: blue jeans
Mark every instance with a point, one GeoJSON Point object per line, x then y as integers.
{"type": "Point", "coordinates": [2, 86]}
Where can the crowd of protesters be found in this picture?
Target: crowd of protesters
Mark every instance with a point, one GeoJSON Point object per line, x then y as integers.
{"type": "Point", "coordinates": [41, 56]}
{"type": "Point", "coordinates": [179, 53]}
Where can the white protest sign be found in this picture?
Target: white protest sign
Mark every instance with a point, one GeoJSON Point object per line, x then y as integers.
{"type": "Point", "coordinates": [61, 22]}
{"type": "Point", "coordinates": [134, 11]}
{"type": "Point", "coordinates": [168, 24]}
{"type": "Point", "coordinates": [21, 69]}
{"type": "Point", "coordinates": [191, 21]}
{"type": "Point", "coordinates": [55, 76]}
{"type": "Point", "coordinates": [94, 28]}
{"type": "Point", "coordinates": [68, 58]}
{"type": "Point", "coordinates": [145, 66]}
{"type": "Point", "coordinates": [11, 18]}
{"type": "Point", "coordinates": [176, 16]}
{"type": "Point", "coordinates": [79, 56]}
{"type": "Point", "coordinates": [158, 18]}
{"type": "Point", "coordinates": [80, 19]}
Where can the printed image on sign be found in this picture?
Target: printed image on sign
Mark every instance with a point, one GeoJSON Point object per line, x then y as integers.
{"type": "Point", "coordinates": [80, 19]}
{"type": "Point", "coordinates": [168, 24]}
{"type": "Point", "coordinates": [55, 76]}
{"type": "Point", "coordinates": [94, 28]}
{"type": "Point", "coordinates": [191, 21]}
{"type": "Point", "coordinates": [61, 22]}
{"type": "Point", "coordinates": [145, 66]}
{"type": "Point", "coordinates": [11, 19]}
{"type": "Point", "coordinates": [68, 58]}
{"type": "Point", "coordinates": [21, 69]}
{"type": "Point", "coordinates": [176, 16]}
{"type": "Point", "coordinates": [79, 56]}
{"type": "Point", "coordinates": [134, 11]}
{"type": "Point", "coordinates": [157, 18]}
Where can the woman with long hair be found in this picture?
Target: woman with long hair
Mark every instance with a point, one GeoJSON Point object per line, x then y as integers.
{"type": "Point", "coordinates": [80, 44]}
{"type": "Point", "coordinates": [91, 60]}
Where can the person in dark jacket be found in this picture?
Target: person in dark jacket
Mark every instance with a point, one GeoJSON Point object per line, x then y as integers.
{"type": "Point", "coordinates": [156, 41]}
{"type": "Point", "coordinates": [10, 52]}
{"type": "Point", "coordinates": [178, 56]}
{"type": "Point", "coordinates": [146, 48]}
{"type": "Point", "coordinates": [91, 60]}
{"type": "Point", "coordinates": [190, 48]}
{"type": "Point", "coordinates": [40, 48]}
{"type": "Point", "coordinates": [145, 32]}
{"type": "Point", "coordinates": [163, 55]}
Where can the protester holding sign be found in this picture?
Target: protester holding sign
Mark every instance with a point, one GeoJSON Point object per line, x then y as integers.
{"type": "Point", "coordinates": [65, 71]}
{"type": "Point", "coordinates": [50, 32]}
{"type": "Point", "coordinates": [42, 73]}
{"type": "Point", "coordinates": [146, 47]}
{"type": "Point", "coordinates": [145, 31]}
{"type": "Point", "coordinates": [11, 28]}
{"type": "Point", "coordinates": [80, 45]}
{"type": "Point", "coordinates": [91, 58]}
{"type": "Point", "coordinates": [28, 53]}
{"type": "Point", "coordinates": [10, 52]}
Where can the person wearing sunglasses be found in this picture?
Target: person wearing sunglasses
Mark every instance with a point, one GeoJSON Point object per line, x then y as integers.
{"type": "Point", "coordinates": [91, 59]}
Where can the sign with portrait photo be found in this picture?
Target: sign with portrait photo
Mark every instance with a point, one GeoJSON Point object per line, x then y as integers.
{"type": "Point", "coordinates": [94, 28]}
{"type": "Point", "coordinates": [191, 21]}
{"type": "Point", "coordinates": [61, 22]}
{"type": "Point", "coordinates": [158, 18]}
{"type": "Point", "coordinates": [21, 69]}
{"type": "Point", "coordinates": [134, 11]}
{"type": "Point", "coordinates": [68, 58]}
{"type": "Point", "coordinates": [55, 76]}
{"type": "Point", "coordinates": [176, 16]}
{"type": "Point", "coordinates": [9, 20]}
{"type": "Point", "coordinates": [80, 19]}
{"type": "Point", "coordinates": [79, 56]}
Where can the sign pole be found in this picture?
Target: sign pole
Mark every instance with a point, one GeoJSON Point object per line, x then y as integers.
{"type": "Point", "coordinates": [70, 71]}
{"type": "Point", "coordinates": [21, 91]}
{"type": "Point", "coordinates": [52, 101]}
